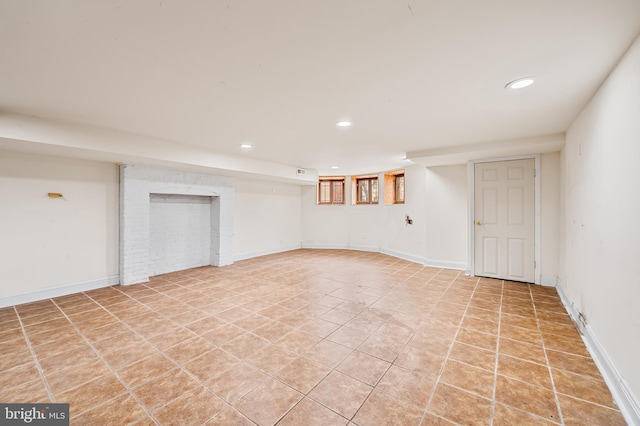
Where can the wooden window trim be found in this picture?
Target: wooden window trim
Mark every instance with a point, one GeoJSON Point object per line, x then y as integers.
{"type": "Point", "coordinates": [332, 196]}
{"type": "Point", "coordinates": [395, 188]}
{"type": "Point", "coordinates": [370, 180]}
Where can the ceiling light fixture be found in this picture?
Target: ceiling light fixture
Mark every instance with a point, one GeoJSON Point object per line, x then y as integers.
{"type": "Point", "coordinates": [335, 167]}
{"type": "Point", "coordinates": [246, 145]}
{"type": "Point", "coordinates": [343, 124]}
{"type": "Point", "coordinates": [520, 83]}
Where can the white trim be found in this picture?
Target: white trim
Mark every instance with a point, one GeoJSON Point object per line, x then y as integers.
{"type": "Point", "coordinates": [549, 281]}
{"type": "Point", "coordinates": [245, 256]}
{"type": "Point", "coordinates": [404, 256]}
{"type": "Point", "coordinates": [622, 395]}
{"type": "Point", "coordinates": [471, 173]}
{"type": "Point", "coordinates": [50, 293]}
{"type": "Point", "coordinates": [364, 248]}
{"type": "Point", "coordinates": [445, 264]}
{"type": "Point", "coordinates": [397, 254]}
{"type": "Point", "coordinates": [325, 246]}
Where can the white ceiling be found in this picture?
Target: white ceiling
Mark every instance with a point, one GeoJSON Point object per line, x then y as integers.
{"type": "Point", "coordinates": [414, 77]}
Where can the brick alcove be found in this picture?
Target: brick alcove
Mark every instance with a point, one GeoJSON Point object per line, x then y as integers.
{"type": "Point", "coordinates": [138, 183]}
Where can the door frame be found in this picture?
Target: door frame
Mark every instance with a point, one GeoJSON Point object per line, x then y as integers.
{"type": "Point", "coordinates": [470, 216]}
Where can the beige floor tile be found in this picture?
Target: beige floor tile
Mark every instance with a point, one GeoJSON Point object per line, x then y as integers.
{"type": "Point", "coordinates": [509, 416]}
{"type": "Point", "coordinates": [577, 412]}
{"type": "Point", "coordinates": [267, 403]}
{"type": "Point", "coordinates": [384, 409]}
{"type": "Point", "coordinates": [527, 397]}
{"type": "Point", "coordinates": [469, 378]}
{"type": "Point", "coordinates": [407, 385]}
{"type": "Point", "coordinates": [363, 367]}
{"type": "Point", "coordinates": [327, 323]}
{"type": "Point", "coordinates": [460, 406]}
{"type": "Point", "coordinates": [341, 393]}
{"type": "Point", "coordinates": [303, 374]}
{"type": "Point", "coordinates": [195, 407]}
{"type": "Point", "coordinates": [309, 413]}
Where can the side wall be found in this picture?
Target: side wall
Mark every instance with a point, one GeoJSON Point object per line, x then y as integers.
{"type": "Point", "coordinates": [378, 227]}
{"type": "Point", "coordinates": [447, 214]}
{"type": "Point", "coordinates": [267, 217]}
{"type": "Point", "coordinates": [49, 243]}
{"type": "Point", "coordinates": [600, 266]}
{"type": "Point", "coordinates": [436, 201]}
{"type": "Point", "coordinates": [52, 247]}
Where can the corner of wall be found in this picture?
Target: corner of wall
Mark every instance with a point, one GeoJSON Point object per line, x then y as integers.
{"type": "Point", "coordinates": [622, 395]}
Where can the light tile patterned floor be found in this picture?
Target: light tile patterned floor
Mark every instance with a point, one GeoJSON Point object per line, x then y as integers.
{"type": "Point", "coordinates": [306, 337]}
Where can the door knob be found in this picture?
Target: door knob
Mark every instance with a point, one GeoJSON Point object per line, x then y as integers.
{"type": "Point", "coordinates": [479, 222]}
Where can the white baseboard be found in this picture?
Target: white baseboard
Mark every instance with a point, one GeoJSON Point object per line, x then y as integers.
{"type": "Point", "coordinates": [445, 264]}
{"type": "Point", "coordinates": [251, 255]}
{"type": "Point", "coordinates": [622, 395]}
{"type": "Point", "coordinates": [50, 293]}
{"type": "Point", "coordinates": [404, 256]}
{"type": "Point", "coordinates": [325, 246]}
{"type": "Point", "coordinates": [400, 255]}
{"type": "Point", "coordinates": [549, 281]}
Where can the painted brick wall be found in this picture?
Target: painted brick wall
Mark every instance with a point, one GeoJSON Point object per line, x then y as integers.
{"type": "Point", "coordinates": [179, 232]}
{"type": "Point", "coordinates": [137, 183]}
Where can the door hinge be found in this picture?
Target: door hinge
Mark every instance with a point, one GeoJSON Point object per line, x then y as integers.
{"type": "Point", "coordinates": [534, 265]}
{"type": "Point", "coordinates": [535, 173]}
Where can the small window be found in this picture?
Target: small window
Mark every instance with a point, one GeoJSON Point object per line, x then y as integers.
{"type": "Point", "coordinates": [331, 190]}
{"type": "Point", "coordinates": [398, 181]}
{"type": "Point", "coordinates": [367, 190]}
{"type": "Point", "coordinates": [394, 187]}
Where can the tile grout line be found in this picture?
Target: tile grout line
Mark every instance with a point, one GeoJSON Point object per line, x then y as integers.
{"type": "Point", "coordinates": [544, 349]}
{"type": "Point", "coordinates": [181, 367]}
{"type": "Point", "coordinates": [446, 358]}
{"type": "Point", "coordinates": [35, 357]}
{"type": "Point", "coordinates": [373, 388]}
{"type": "Point", "coordinates": [495, 368]}
{"type": "Point", "coordinates": [162, 352]}
{"type": "Point", "coordinates": [113, 371]}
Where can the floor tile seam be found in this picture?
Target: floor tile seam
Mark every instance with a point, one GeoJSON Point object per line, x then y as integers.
{"type": "Point", "coordinates": [446, 358]}
{"type": "Point", "coordinates": [105, 403]}
{"type": "Point", "coordinates": [467, 391]}
{"type": "Point", "coordinates": [317, 402]}
{"type": "Point", "coordinates": [520, 359]}
{"type": "Point", "coordinates": [355, 378]}
{"type": "Point", "coordinates": [155, 310]}
{"type": "Point", "coordinates": [544, 348]}
{"type": "Point", "coordinates": [349, 419]}
{"type": "Point", "coordinates": [526, 412]}
{"type": "Point", "coordinates": [495, 368]}
{"type": "Point", "coordinates": [35, 358]}
{"type": "Point", "coordinates": [589, 402]}
{"type": "Point", "coordinates": [110, 367]}
{"type": "Point", "coordinates": [583, 376]}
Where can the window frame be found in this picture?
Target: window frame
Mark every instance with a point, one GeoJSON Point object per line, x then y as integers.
{"type": "Point", "coordinates": [369, 180]}
{"type": "Point", "coordinates": [332, 194]}
{"type": "Point", "coordinates": [396, 200]}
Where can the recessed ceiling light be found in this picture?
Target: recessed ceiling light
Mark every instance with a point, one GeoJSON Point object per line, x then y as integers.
{"type": "Point", "coordinates": [343, 123]}
{"type": "Point", "coordinates": [335, 167]}
{"type": "Point", "coordinates": [246, 145]}
{"type": "Point", "coordinates": [520, 83]}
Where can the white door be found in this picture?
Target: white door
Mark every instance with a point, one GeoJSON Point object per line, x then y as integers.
{"type": "Point", "coordinates": [504, 220]}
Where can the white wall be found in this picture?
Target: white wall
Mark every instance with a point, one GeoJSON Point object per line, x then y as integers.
{"type": "Point", "coordinates": [447, 216]}
{"type": "Point", "coordinates": [376, 227]}
{"type": "Point", "coordinates": [267, 217]}
{"type": "Point", "coordinates": [600, 269]}
{"type": "Point", "coordinates": [549, 218]}
{"type": "Point", "coordinates": [47, 243]}
{"type": "Point", "coordinates": [179, 232]}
